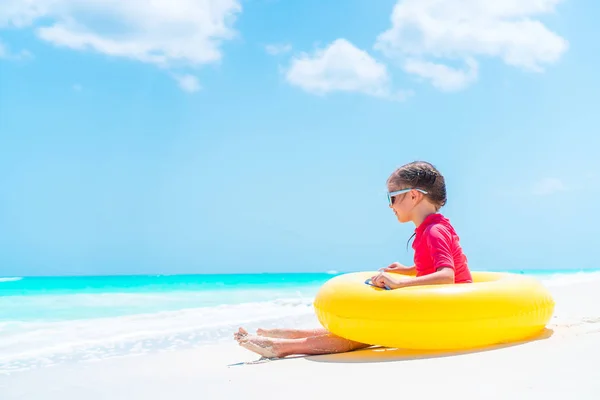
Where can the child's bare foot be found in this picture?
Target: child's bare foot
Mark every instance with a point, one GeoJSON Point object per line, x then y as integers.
{"type": "Point", "coordinates": [262, 346]}
{"type": "Point", "coordinates": [240, 334]}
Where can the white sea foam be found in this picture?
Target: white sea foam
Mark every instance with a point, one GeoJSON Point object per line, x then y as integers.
{"type": "Point", "coordinates": [562, 279]}
{"type": "Point", "coordinates": [10, 279]}
{"type": "Point", "coordinates": [93, 305]}
{"type": "Point", "coordinates": [28, 344]}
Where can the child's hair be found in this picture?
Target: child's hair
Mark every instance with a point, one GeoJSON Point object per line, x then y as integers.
{"type": "Point", "coordinates": [421, 175]}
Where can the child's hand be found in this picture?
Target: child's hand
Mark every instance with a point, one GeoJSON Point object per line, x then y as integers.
{"type": "Point", "coordinates": [393, 282]}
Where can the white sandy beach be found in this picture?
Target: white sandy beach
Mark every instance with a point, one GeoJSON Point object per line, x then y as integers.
{"type": "Point", "coordinates": [562, 365]}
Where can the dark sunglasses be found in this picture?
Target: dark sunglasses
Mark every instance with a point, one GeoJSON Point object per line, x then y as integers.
{"type": "Point", "coordinates": [390, 195]}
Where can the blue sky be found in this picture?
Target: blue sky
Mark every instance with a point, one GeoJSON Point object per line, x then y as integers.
{"type": "Point", "coordinates": [254, 136]}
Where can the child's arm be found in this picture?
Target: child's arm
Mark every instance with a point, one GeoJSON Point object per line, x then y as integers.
{"type": "Point", "coordinates": [443, 276]}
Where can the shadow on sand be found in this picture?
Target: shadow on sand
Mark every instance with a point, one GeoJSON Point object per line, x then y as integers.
{"type": "Point", "coordinates": [385, 354]}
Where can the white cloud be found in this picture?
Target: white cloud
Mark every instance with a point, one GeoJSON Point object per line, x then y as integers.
{"type": "Point", "coordinates": [166, 33]}
{"type": "Point", "coordinates": [443, 77]}
{"type": "Point", "coordinates": [275, 49]}
{"type": "Point", "coordinates": [188, 82]}
{"type": "Point", "coordinates": [465, 29]}
{"type": "Point", "coordinates": [548, 186]}
{"type": "Point", "coordinates": [340, 67]}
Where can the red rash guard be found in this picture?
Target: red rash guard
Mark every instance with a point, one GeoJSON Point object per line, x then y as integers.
{"type": "Point", "coordinates": [437, 245]}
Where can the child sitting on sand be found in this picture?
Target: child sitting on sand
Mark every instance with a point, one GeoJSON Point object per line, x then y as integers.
{"type": "Point", "coordinates": [416, 192]}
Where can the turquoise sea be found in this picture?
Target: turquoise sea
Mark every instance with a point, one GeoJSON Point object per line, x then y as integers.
{"type": "Point", "coordinates": [46, 321]}
{"type": "Point", "coordinates": [77, 297]}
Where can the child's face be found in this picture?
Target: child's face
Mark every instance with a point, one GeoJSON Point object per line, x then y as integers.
{"type": "Point", "coordinates": [402, 206]}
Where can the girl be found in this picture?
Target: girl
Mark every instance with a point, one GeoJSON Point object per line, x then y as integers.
{"type": "Point", "coordinates": [416, 192]}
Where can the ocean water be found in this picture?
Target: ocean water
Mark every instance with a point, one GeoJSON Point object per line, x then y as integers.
{"type": "Point", "coordinates": [46, 321]}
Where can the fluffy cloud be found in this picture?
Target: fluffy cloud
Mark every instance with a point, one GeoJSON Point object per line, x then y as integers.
{"type": "Point", "coordinates": [340, 67]}
{"type": "Point", "coordinates": [548, 186]}
{"type": "Point", "coordinates": [167, 33]}
{"type": "Point", "coordinates": [466, 29]}
{"type": "Point", "coordinates": [445, 78]}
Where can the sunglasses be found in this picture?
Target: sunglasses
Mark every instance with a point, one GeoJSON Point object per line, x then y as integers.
{"type": "Point", "coordinates": [391, 195]}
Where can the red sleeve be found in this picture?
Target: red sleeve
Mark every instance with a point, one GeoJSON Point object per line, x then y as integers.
{"type": "Point", "coordinates": [439, 241]}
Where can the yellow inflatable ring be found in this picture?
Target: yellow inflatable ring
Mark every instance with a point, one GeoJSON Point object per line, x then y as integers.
{"type": "Point", "coordinates": [496, 308]}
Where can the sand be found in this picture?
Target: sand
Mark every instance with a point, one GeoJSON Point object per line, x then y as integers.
{"type": "Point", "coordinates": [563, 363]}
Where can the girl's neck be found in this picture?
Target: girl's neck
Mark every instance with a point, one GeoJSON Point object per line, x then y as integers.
{"type": "Point", "coordinates": [422, 213]}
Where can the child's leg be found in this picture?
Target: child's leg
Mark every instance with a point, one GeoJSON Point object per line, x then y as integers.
{"type": "Point", "coordinates": [284, 333]}
{"type": "Point", "coordinates": [291, 333]}
{"type": "Point", "coordinates": [273, 347]}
